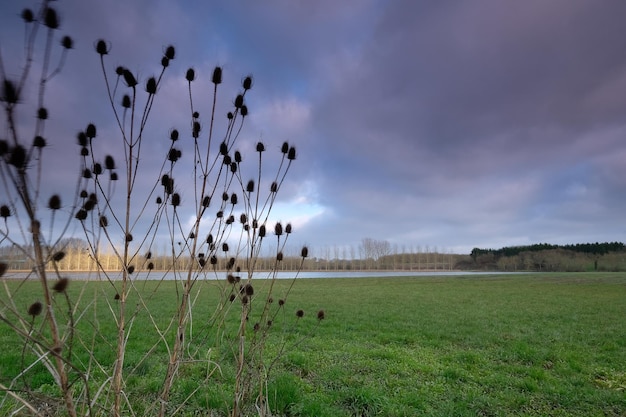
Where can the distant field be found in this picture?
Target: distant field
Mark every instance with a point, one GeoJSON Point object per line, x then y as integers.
{"type": "Point", "coordinates": [497, 345]}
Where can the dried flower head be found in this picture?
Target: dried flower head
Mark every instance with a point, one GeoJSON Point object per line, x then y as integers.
{"type": "Point", "coordinates": [170, 52]}
{"type": "Point", "coordinates": [55, 202]}
{"type": "Point", "coordinates": [9, 92]}
{"type": "Point", "coordinates": [67, 42]}
{"type": "Point", "coordinates": [250, 186]}
{"type": "Point", "coordinates": [5, 211]}
{"type": "Point", "coordinates": [260, 147]}
{"type": "Point", "coordinates": [51, 18]}
{"type": "Point", "coordinates": [278, 229]}
{"type": "Point", "coordinates": [109, 162]}
{"type": "Point", "coordinates": [58, 256]}
{"type": "Point", "coordinates": [300, 314]}
{"type": "Point", "coordinates": [90, 132]}
{"type": "Point", "coordinates": [103, 222]}
{"type": "Point", "coordinates": [129, 78]}
{"type": "Point", "coordinates": [151, 85]}
{"type": "Point", "coordinates": [39, 142]}
{"type": "Point", "coordinates": [247, 82]}
{"type": "Point", "coordinates": [150, 266]}
{"type": "Point", "coordinates": [321, 315]}
{"type": "Point", "coordinates": [248, 289]}
{"type": "Point", "coordinates": [281, 302]}
{"type": "Point", "coordinates": [175, 199]}
{"type": "Point", "coordinates": [191, 75]}
{"type": "Point", "coordinates": [129, 237]}
{"type": "Point", "coordinates": [28, 16]}
{"type": "Point", "coordinates": [217, 76]}
{"type": "Point", "coordinates": [61, 285]}
{"type": "Point", "coordinates": [304, 252]}
{"type": "Point", "coordinates": [35, 309]}
{"type": "Point", "coordinates": [3, 268]}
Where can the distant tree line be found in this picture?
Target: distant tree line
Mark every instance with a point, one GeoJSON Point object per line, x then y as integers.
{"type": "Point", "coordinates": [607, 256]}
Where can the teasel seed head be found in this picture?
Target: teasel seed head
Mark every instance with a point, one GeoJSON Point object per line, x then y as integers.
{"type": "Point", "coordinates": [288, 228]}
{"type": "Point", "coordinates": [284, 148]}
{"type": "Point", "coordinates": [58, 256]}
{"type": "Point", "coordinates": [28, 16]}
{"type": "Point", "coordinates": [9, 92]}
{"type": "Point", "coordinates": [291, 155]}
{"type": "Point", "coordinates": [39, 142]}
{"type": "Point", "coordinates": [281, 302]}
{"type": "Point", "coordinates": [300, 314]}
{"type": "Point", "coordinates": [109, 162]}
{"type": "Point", "coordinates": [260, 147]}
{"type": "Point", "coordinates": [119, 70]}
{"type": "Point", "coordinates": [191, 75]}
{"type": "Point", "coordinates": [151, 85]}
{"type": "Point", "coordinates": [170, 52]}
{"type": "Point", "coordinates": [244, 299]}
{"type": "Point", "coordinates": [130, 269]}
{"type": "Point", "coordinates": [35, 309]}
{"type": "Point", "coordinates": [304, 252]}
{"type": "Point", "coordinates": [4, 147]}
{"type": "Point", "coordinates": [213, 260]}
{"type": "Point", "coordinates": [3, 268]}
{"type": "Point", "coordinates": [223, 149]}
{"type": "Point", "coordinates": [192, 235]}
{"type": "Point", "coordinates": [173, 155]}
{"type": "Point", "coordinates": [165, 62]}
{"type": "Point", "coordinates": [225, 247]}
{"type": "Point", "coordinates": [150, 266]}
{"type": "Point", "coordinates": [84, 151]}
{"type": "Point", "coordinates": [126, 101]}
{"type": "Point", "coordinates": [262, 231]}
{"type": "Point", "coordinates": [238, 101]}
{"type": "Point", "coordinates": [129, 78]}
{"type": "Point", "coordinates": [243, 111]}
{"type": "Point", "coordinates": [97, 169]}
{"type": "Point", "coordinates": [101, 47]}
{"type": "Point", "coordinates": [209, 239]}
{"type": "Point", "coordinates": [67, 42]}
{"type": "Point", "coordinates": [113, 176]}
{"type": "Point", "coordinates": [226, 160]}
{"type": "Point", "coordinates": [18, 157]}
{"type": "Point", "coordinates": [174, 135]}
{"type": "Point", "coordinates": [232, 298]}
{"type": "Point", "coordinates": [129, 237]}
{"type": "Point", "coordinates": [247, 82]}
{"type": "Point", "coordinates": [243, 218]}
{"type": "Point", "coordinates": [42, 113]}
{"type": "Point", "coordinates": [104, 222]}
{"type": "Point", "coordinates": [233, 199]}
{"type": "Point", "coordinates": [217, 76]}
{"type": "Point", "coordinates": [51, 19]}
{"type": "Point", "coordinates": [230, 115]}
{"type": "Point", "coordinates": [256, 327]}
{"type": "Point", "coordinates": [90, 132]}
{"type": "Point", "coordinates": [61, 285]}
{"type": "Point", "coordinates": [86, 173]}
{"type": "Point", "coordinates": [230, 278]}
{"type": "Point", "coordinates": [230, 265]}
{"type": "Point", "coordinates": [233, 167]}
{"type": "Point", "coordinates": [206, 201]}
{"type": "Point", "coordinates": [175, 199]}
{"type": "Point", "coordinates": [81, 214]}
{"type": "Point", "coordinates": [159, 200]}
{"type": "Point", "coordinates": [250, 186]}
{"type": "Point", "coordinates": [54, 203]}
{"type": "Point", "coordinates": [321, 315]}
{"type": "Point", "coordinates": [278, 229]}
{"type": "Point", "coordinates": [274, 187]}
{"type": "Point", "coordinates": [5, 211]}
{"type": "Point", "coordinates": [279, 256]}
{"type": "Point", "coordinates": [238, 158]}
{"type": "Point", "coordinates": [248, 289]}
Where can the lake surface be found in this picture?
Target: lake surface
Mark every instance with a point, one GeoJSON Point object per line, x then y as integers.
{"type": "Point", "coordinates": [266, 275]}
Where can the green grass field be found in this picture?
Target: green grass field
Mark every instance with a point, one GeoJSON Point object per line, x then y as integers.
{"type": "Point", "coordinates": [500, 345]}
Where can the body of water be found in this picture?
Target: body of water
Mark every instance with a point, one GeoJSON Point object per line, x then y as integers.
{"type": "Point", "coordinates": [160, 275]}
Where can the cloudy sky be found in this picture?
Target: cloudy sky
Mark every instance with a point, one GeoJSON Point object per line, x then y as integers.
{"type": "Point", "coordinates": [447, 124]}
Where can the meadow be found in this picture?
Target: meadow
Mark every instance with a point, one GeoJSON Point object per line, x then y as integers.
{"type": "Point", "coordinates": [497, 345]}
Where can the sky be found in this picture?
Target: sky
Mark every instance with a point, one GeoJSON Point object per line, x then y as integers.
{"type": "Point", "coordinates": [442, 125]}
